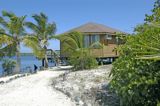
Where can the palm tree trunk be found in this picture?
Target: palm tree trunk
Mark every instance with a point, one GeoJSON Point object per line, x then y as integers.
{"type": "Point", "coordinates": [46, 61]}
{"type": "Point", "coordinates": [45, 58]}
{"type": "Point", "coordinates": [18, 58]}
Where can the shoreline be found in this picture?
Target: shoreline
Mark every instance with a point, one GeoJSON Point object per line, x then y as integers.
{"type": "Point", "coordinates": [8, 78]}
{"type": "Point", "coordinates": [87, 87]}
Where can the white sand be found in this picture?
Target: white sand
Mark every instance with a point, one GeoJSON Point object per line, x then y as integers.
{"type": "Point", "coordinates": [33, 90]}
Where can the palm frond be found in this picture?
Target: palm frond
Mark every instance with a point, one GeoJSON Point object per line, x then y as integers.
{"type": "Point", "coordinates": [6, 39]}
{"type": "Point", "coordinates": [96, 45]}
{"type": "Point", "coordinates": [77, 38]}
{"type": "Point", "coordinates": [16, 25]}
{"type": "Point", "coordinates": [42, 15]}
{"type": "Point", "coordinates": [53, 37]}
{"type": "Point", "coordinates": [33, 43]}
{"type": "Point", "coordinates": [8, 50]}
{"type": "Point", "coordinates": [32, 26]}
{"type": "Point", "coordinates": [41, 21]}
{"type": "Point", "coordinates": [71, 42]}
{"type": "Point", "coordinates": [8, 14]}
{"type": "Point", "coordinates": [3, 22]}
{"type": "Point", "coordinates": [50, 29]}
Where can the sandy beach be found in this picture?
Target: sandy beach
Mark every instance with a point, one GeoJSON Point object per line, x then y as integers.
{"type": "Point", "coordinates": [33, 90]}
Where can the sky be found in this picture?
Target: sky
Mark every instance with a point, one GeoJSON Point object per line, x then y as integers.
{"type": "Point", "coordinates": [67, 14]}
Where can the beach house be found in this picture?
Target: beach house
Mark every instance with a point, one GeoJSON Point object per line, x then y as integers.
{"type": "Point", "coordinates": [94, 32]}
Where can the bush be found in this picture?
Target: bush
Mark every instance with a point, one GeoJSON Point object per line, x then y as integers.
{"type": "Point", "coordinates": [136, 73]}
{"type": "Point", "coordinates": [8, 66]}
{"type": "Point", "coordinates": [73, 48]}
{"type": "Point", "coordinates": [82, 60]}
{"type": "Point", "coordinates": [137, 82]}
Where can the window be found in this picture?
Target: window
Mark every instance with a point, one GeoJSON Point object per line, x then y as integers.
{"type": "Point", "coordinates": [90, 39]}
{"type": "Point", "coordinates": [86, 41]}
{"type": "Point", "coordinates": [109, 37]}
{"type": "Point", "coordinates": [95, 38]}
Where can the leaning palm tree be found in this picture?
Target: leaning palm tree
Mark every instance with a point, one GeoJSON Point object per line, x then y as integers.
{"type": "Point", "coordinates": [42, 33]}
{"type": "Point", "coordinates": [11, 31]}
{"type": "Point", "coordinates": [71, 42]}
{"type": "Point", "coordinates": [73, 47]}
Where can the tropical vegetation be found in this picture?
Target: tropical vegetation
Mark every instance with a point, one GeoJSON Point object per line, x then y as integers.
{"type": "Point", "coordinates": [79, 56]}
{"type": "Point", "coordinates": [43, 31]}
{"type": "Point", "coordinates": [11, 34]}
{"type": "Point", "coordinates": [8, 66]}
{"type": "Point", "coordinates": [136, 73]}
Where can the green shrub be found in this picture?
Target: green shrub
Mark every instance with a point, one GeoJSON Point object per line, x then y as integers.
{"type": "Point", "coordinates": [137, 82]}
{"type": "Point", "coordinates": [8, 66]}
{"type": "Point", "coordinates": [79, 56]}
{"type": "Point", "coordinates": [82, 60]}
{"type": "Point", "coordinates": [136, 73]}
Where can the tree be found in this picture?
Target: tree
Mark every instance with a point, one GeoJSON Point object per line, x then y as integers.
{"type": "Point", "coordinates": [11, 34]}
{"type": "Point", "coordinates": [152, 24]}
{"type": "Point", "coordinates": [42, 33]}
{"type": "Point", "coordinates": [155, 16]}
{"type": "Point", "coordinates": [79, 56]}
{"type": "Point", "coordinates": [136, 73]}
{"type": "Point", "coordinates": [8, 66]}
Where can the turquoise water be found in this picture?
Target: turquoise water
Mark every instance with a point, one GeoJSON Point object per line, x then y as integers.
{"type": "Point", "coordinates": [27, 61]}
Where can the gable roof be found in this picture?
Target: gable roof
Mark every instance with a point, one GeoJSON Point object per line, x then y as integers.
{"type": "Point", "coordinates": [94, 28]}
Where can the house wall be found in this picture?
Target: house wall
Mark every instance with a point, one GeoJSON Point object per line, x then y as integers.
{"type": "Point", "coordinates": [109, 47]}
{"type": "Point", "coordinates": [106, 51]}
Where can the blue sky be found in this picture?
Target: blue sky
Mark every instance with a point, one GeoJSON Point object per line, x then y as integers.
{"type": "Point", "coordinates": [120, 14]}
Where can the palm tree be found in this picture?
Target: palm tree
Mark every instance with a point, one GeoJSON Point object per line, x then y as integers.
{"type": "Point", "coordinates": [73, 46]}
{"type": "Point", "coordinates": [42, 33]}
{"type": "Point", "coordinates": [72, 41]}
{"type": "Point", "coordinates": [11, 34]}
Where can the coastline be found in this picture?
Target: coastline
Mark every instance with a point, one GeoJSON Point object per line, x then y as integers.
{"type": "Point", "coordinates": [6, 79]}
{"type": "Point", "coordinates": [81, 88]}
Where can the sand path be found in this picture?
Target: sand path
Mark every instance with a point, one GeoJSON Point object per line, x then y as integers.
{"type": "Point", "coordinates": [33, 90]}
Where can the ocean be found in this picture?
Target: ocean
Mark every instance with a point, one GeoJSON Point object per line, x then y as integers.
{"type": "Point", "coordinates": [27, 61]}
